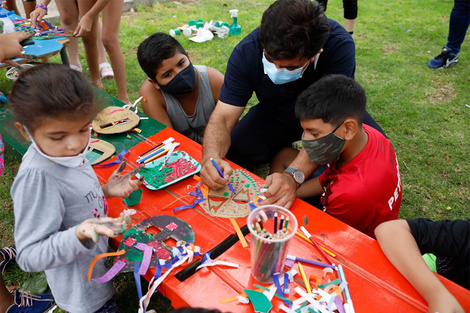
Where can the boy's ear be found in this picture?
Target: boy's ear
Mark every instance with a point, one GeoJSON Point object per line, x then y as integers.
{"type": "Point", "coordinates": [23, 133]}
{"type": "Point", "coordinates": [153, 83]}
{"type": "Point", "coordinates": [351, 128]}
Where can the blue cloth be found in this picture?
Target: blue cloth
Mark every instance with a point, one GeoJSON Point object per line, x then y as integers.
{"type": "Point", "coordinates": [458, 25]}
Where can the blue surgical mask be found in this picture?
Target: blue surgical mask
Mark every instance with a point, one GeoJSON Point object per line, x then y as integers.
{"type": "Point", "coordinates": [280, 76]}
{"type": "Point", "coordinates": [324, 150]}
{"type": "Point", "coordinates": [182, 83]}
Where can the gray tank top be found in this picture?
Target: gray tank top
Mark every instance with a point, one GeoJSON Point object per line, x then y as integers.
{"type": "Point", "coordinates": [192, 126]}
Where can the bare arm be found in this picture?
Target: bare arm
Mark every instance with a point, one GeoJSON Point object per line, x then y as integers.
{"type": "Point", "coordinates": [216, 143]}
{"type": "Point", "coordinates": [216, 79]}
{"type": "Point", "coordinates": [38, 14]}
{"type": "Point", "coordinates": [86, 21]}
{"type": "Point", "coordinates": [154, 104]}
{"type": "Point", "coordinates": [282, 186]}
{"type": "Point", "coordinates": [400, 247]}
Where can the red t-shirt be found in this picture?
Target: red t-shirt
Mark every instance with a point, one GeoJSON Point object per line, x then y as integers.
{"type": "Point", "coordinates": [366, 191]}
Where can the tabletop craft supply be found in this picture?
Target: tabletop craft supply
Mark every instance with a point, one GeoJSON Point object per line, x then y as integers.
{"type": "Point", "coordinates": [99, 151]}
{"type": "Point", "coordinates": [163, 172]}
{"type": "Point", "coordinates": [141, 244]}
{"type": "Point", "coordinates": [224, 203]}
{"type": "Point", "coordinates": [269, 244]}
{"type": "Point", "coordinates": [115, 120]}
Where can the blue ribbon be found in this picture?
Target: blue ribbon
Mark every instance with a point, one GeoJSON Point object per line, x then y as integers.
{"type": "Point", "coordinates": [138, 283]}
{"type": "Point", "coordinates": [119, 159]}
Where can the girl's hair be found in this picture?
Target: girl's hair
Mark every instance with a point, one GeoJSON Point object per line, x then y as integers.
{"type": "Point", "coordinates": [51, 91]}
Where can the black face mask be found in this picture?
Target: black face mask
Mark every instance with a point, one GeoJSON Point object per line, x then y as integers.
{"type": "Point", "coordinates": [182, 83]}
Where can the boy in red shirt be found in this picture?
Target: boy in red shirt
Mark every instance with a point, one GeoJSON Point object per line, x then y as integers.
{"type": "Point", "coordinates": [361, 184]}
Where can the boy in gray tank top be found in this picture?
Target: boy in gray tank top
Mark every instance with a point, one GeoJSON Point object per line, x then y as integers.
{"type": "Point", "coordinates": [176, 93]}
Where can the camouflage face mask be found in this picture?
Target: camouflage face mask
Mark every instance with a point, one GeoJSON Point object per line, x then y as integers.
{"type": "Point", "coordinates": [326, 149]}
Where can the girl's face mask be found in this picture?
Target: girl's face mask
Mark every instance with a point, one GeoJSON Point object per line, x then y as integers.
{"type": "Point", "coordinates": [324, 150]}
{"type": "Point", "coordinates": [70, 161]}
{"type": "Point", "coordinates": [281, 76]}
{"type": "Point", "coordinates": [182, 83]}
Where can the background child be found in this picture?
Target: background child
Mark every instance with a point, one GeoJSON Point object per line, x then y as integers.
{"type": "Point", "coordinates": [361, 185]}
{"type": "Point", "coordinates": [94, 35]}
{"type": "Point", "coordinates": [56, 192]}
{"type": "Point", "coordinates": [403, 242]}
{"type": "Point", "coordinates": [176, 93]}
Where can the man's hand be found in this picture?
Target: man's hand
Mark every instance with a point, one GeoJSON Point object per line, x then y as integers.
{"type": "Point", "coordinates": [122, 185]}
{"type": "Point", "coordinates": [93, 228]}
{"type": "Point", "coordinates": [211, 177]}
{"type": "Point", "coordinates": [281, 190]}
{"type": "Point", "coordinates": [10, 45]}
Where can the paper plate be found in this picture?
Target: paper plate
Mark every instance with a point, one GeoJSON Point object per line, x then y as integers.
{"type": "Point", "coordinates": [178, 166]}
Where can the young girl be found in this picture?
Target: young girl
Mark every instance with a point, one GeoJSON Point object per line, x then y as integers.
{"type": "Point", "coordinates": [60, 208]}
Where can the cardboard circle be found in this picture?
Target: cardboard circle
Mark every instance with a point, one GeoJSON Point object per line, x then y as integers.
{"type": "Point", "coordinates": [115, 120]}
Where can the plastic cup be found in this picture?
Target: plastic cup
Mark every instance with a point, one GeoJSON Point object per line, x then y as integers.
{"type": "Point", "coordinates": [174, 32]}
{"type": "Point", "coordinates": [269, 247]}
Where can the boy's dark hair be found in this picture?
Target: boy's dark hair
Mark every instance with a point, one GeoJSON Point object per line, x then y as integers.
{"type": "Point", "coordinates": [154, 50]}
{"type": "Point", "coordinates": [333, 99]}
{"type": "Point", "coordinates": [292, 28]}
{"type": "Point", "coordinates": [54, 91]}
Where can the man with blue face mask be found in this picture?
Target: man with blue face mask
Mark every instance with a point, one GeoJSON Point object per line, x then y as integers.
{"type": "Point", "coordinates": [294, 47]}
{"type": "Point", "coordinates": [361, 184]}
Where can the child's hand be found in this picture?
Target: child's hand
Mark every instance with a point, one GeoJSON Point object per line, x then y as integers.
{"type": "Point", "coordinates": [36, 16]}
{"type": "Point", "coordinates": [122, 185]}
{"type": "Point", "coordinates": [84, 26]}
{"type": "Point", "coordinates": [93, 228]}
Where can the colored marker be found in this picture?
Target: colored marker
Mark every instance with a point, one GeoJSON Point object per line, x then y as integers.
{"type": "Point", "coordinates": [221, 174]}
{"type": "Point", "coordinates": [307, 285]}
{"type": "Point", "coordinates": [346, 289]}
{"type": "Point", "coordinates": [323, 253]}
{"type": "Point", "coordinates": [294, 258]}
{"type": "Point", "coordinates": [167, 141]}
{"type": "Point", "coordinates": [275, 222]}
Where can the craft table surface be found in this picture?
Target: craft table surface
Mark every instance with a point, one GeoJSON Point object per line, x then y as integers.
{"type": "Point", "coordinates": [17, 145]}
{"type": "Point", "coordinates": [41, 49]}
{"type": "Point", "coordinates": [375, 285]}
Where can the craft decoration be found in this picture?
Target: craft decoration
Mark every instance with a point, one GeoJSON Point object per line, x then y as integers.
{"type": "Point", "coordinates": [99, 151]}
{"type": "Point", "coordinates": [223, 203]}
{"type": "Point", "coordinates": [178, 166]}
{"type": "Point", "coordinates": [260, 302]}
{"type": "Point", "coordinates": [134, 198]}
{"type": "Point", "coordinates": [115, 120]}
{"type": "Point", "coordinates": [169, 226]}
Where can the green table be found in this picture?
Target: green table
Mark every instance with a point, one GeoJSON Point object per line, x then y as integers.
{"type": "Point", "coordinates": [17, 146]}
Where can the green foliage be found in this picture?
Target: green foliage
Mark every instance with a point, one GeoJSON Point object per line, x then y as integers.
{"type": "Point", "coordinates": [424, 112]}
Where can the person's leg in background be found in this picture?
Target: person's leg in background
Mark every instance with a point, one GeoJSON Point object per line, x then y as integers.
{"type": "Point", "coordinates": [68, 10]}
{"type": "Point", "coordinates": [110, 37]}
{"type": "Point", "coordinates": [106, 70]}
{"type": "Point", "coordinates": [90, 43]}
{"type": "Point", "coordinates": [458, 26]}
{"type": "Point", "coordinates": [29, 6]}
{"type": "Point", "coordinates": [350, 15]}
{"type": "Point", "coordinates": [11, 6]}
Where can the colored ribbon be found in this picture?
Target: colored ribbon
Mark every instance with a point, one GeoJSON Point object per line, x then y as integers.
{"type": "Point", "coordinates": [148, 251]}
{"type": "Point", "coordinates": [99, 256]}
{"type": "Point", "coordinates": [113, 271]}
{"type": "Point", "coordinates": [117, 161]}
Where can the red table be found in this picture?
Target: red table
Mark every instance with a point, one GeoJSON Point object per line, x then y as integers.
{"type": "Point", "coordinates": [374, 284]}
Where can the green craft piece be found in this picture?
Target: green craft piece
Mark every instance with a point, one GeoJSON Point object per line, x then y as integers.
{"type": "Point", "coordinates": [36, 284]}
{"type": "Point", "coordinates": [134, 198]}
{"type": "Point", "coordinates": [259, 301]}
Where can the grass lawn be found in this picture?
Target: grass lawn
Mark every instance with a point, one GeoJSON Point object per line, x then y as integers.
{"type": "Point", "coordinates": [425, 113]}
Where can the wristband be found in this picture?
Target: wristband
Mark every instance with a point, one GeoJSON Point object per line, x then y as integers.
{"type": "Point", "coordinates": [42, 6]}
